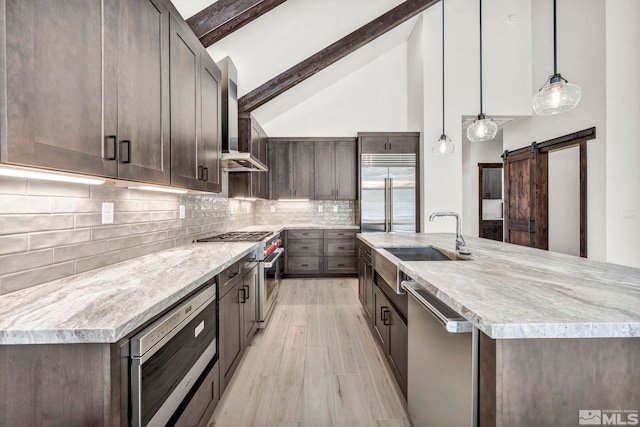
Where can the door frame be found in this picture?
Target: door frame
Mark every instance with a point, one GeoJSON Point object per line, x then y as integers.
{"type": "Point", "coordinates": [540, 152]}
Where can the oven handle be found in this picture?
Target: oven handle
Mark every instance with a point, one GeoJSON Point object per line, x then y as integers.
{"type": "Point", "coordinates": [268, 263]}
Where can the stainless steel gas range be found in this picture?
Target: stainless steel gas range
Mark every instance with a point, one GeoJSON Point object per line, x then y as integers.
{"type": "Point", "coordinates": [271, 265]}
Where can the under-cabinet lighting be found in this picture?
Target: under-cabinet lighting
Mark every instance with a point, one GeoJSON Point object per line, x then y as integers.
{"type": "Point", "coordinates": [158, 189]}
{"type": "Point", "coordinates": [48, 176]}
{"type": "Point", "coordinates": [293, 200]}
{"type": "Point", "coordinates": [248, 199]}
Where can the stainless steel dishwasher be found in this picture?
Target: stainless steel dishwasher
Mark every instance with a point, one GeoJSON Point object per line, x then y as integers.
{"type": "Point", "coordinates": [442, 387]}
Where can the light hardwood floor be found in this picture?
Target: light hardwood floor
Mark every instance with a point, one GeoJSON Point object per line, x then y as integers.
{"type": "Point", "coordinates": [316, 364]}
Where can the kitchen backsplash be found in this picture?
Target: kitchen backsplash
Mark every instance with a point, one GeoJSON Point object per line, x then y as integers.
{"type": "Point", "coordinates": [50, 230]}
{"type": "Point", "coordinates": [308, 212]}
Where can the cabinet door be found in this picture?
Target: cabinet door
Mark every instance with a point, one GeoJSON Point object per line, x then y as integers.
{"type": "Point", "coordinates": [280, 170]}
{"type": "Point", "coordinates": [57, 84]}
{"type": "Point", "coordinates": [361, 280]}
{"type": "Point", "coordinates": [303, 170]}
{"type": "Point", "coordinates": [346, 171]}
{"type": "Point", "coordinates": [230, 345]}
{"type": "Point", "coordinates": [250, 304]}
{"type": "Point", "coordinates": [185, 108]}
{"type": "Point", "coordinates": [373, 144]}
{"type": "Point", "coordinates": [368, 291]}
{"type": "Point", "coordinates": [211, 149]}
{"type": "Point", "coordinates": [143, 95]}
{"type": "Point", "coordinates": [325, 170]}
{"type": "Point", "coordinates": [403, 144]}
{"type": "Point", "coordinates": [381, 307]}
{"type": "Point", "coordinates": [397, 351]}
{"type": "Point", "coordinates": [492, 183]}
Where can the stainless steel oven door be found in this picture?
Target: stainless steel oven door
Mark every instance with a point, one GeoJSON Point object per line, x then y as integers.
{"type": "Point", "coordinates": [168, 357]}
{"type": "Point", "coordinates": [271, 282]}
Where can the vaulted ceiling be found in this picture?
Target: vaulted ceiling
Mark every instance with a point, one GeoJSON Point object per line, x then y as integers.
{"type": "Point", "coordinates": [278, 44]}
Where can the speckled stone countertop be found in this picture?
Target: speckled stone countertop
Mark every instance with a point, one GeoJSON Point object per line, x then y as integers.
{"type": "Point", "coordinates": [104, 305]}
{"type": "Point", "coordinates": [511, 291]}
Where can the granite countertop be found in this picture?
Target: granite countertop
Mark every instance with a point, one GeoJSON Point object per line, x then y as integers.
{"type": "Point", "coordinates": [510, 291]}
{"type": "Point", "coordinates": [104, 305]}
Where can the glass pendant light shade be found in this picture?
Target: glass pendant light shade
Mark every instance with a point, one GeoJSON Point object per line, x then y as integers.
{"type": "Point", "coordinates": [556, 96]}
{"type": "Point", "coordinates": [443, 146]}
{"type": "Point", "coordinates": [483, 128]}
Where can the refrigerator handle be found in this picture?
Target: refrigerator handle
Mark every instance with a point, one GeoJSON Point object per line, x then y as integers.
{"type": "Point", "coordinates": [386, 204]}
{"type": "Point", "coordinates": [390, 204]}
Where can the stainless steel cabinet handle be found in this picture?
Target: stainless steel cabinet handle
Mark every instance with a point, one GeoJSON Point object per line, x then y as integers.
{"type": "Point", "coordinates": [390, 203]}
{"type": "Point", "coordinates": [452, 321]}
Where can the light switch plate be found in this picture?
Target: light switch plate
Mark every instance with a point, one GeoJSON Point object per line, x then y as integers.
{"type": "Point", "coordinates": [107, 213]}
{"type": "Point", "coordinates": [335, 209]}
{"type": "Point", "coordinates": [183, 212]}
{"type": "Point", "coordinates": [273, 208]}
{"type": "Point", "coordinates": [319, 208]}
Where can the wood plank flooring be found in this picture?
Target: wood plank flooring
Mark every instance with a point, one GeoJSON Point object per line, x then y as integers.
{"type": "Point", "coordinates": [316, 364]}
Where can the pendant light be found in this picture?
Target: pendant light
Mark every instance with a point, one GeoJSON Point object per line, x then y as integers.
{"type": "Point", "coordinates": [483, 127]}
{"type": "Point", "coordinates": [557, 95]}
{"type": "Point", "coordinates": [443, 145]}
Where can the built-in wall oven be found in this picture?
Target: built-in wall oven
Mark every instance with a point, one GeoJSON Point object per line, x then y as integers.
{"type": "Point", "coordinates": [169, 356]}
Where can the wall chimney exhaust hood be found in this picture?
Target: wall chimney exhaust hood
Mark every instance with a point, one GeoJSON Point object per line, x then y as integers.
{"type": "Point", "coordinates": [232, 159]}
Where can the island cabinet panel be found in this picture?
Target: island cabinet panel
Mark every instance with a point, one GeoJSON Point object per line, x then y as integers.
{"type": "Point", "coordinates": [59, 384]}
{"type": "Point", "coordinates": [199, 410]}
{"type": "Point", "coordinates": [365, 282]}
{"type": "Point", "coordinates": [543, 382]}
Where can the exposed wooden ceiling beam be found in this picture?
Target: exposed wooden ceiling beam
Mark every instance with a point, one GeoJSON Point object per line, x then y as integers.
{"type": "Point", "coordinates": [332, 53]}
{"type": "Point", "coordinates": [225, 16]}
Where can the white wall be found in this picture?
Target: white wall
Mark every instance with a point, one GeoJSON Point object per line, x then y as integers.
{"type": "Point", "coordinates": [372, 98]}
{"type": "Point", "coordinates": [564, 201]}
{"type": "Point", "coordinates": [581, 60]}
{"type": "Point", "coordinates": [507, 86]}
{"type": "Point", "coordinates": [622, 142]}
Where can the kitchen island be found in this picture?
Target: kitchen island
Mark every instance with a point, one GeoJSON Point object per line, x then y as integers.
{"type": "Point", "coordinates": [558, 334]}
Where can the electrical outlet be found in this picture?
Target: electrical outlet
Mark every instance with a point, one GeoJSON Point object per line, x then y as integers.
{"type": "Point", "coordinates": [183, 212]}
{"type": "Point", "coordinates": [320, 209]}
{"type": "Point", "coordinates": [273, 208]}
{"type": "Point", "coordinates": [107, 213]}
{"type": "Point", "coordinates": [335, 209]}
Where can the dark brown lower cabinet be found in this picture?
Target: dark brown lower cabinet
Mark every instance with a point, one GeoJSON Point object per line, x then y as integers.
{"type": "Point", "coordinates": [365, 283]}
{"type": "Point", "coordinates": [203, 402]}
{"type": "Point", "coordinates": [321, 253]}
{"type": "Point", "coordinates": [390, 330]}
{"type": "Point", "coordinates": [491, 229]}
{"type": "Point", "coordinates": [238, 314]}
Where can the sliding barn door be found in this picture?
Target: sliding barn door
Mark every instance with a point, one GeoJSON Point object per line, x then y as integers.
{"type": "Point", "coordinates": [525, 189]}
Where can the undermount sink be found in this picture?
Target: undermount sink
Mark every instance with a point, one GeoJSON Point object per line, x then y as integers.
{"type": "Point", "coordinates": [423, 253]}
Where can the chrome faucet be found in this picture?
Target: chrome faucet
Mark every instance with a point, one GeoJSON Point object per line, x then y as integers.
{"type": "Point", "coordinates": [461, 245]}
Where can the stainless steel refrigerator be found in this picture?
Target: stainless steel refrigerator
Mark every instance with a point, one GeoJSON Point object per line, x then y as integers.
{"type": "Point", "coordinates": [388, 193]}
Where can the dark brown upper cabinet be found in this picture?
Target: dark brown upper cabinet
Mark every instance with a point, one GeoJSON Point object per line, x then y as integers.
{"type": "Point", "coordinates": [87, 87]}
{"type": "Point", "coordinates": [389, 142]}
{"type": "Point", "coordinates": [291, 166]}
{"type": "Point", "coordinates": [251, 138]}
{"type": "Point", "coordinates": [195, 113]}
{"type": "Point", "coordinates": [335, 169]}
{"type": "Point", "coordinates": [492, 183]}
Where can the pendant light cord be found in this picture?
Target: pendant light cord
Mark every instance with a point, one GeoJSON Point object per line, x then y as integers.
{"type": "Point", "coordinates": [555, 43]}
{"type": "Point", "coordinates": [443, 67]}
{"type": "Point", "coordinates": [481, 57]}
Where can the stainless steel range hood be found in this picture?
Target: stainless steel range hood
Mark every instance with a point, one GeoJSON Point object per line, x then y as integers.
{"type": "Point", "coordinates": [232, 159]}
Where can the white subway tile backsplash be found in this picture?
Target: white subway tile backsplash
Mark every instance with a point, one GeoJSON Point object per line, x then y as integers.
{"type": "Point", "coordinates": [50, 239]}
{"type": "Point", "coordinates": [12, 186]}
{"type": "Point", "coordinates": [71, 252]}
{"type": "Point", "coordinates": [28, 278]}
{"type": "Point", "coordinates": [25, 261]}
{"type": "Point", "coordinates": [110, 231]}
{"type": "Point", "coordinates": [13, 224]}
{"type": "Point", "coordinates": [87, 219]}
{"type": "Point", "coordinates": [13, 243]}
{"type": "Point", "coordinates": [96, 261]}
{"type": "Point", "coordinates": [10, 204]}
{"type": "Point", "coordinates": [76, 205]}
{"type": "Point", "coordinates": [61, 189]}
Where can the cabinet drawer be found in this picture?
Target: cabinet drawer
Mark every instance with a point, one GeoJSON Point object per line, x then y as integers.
{"type": "Point", "coordinates": [304, 234]}
{"type": "Point", "coordinates": [340, 234]}
{"type": "Point", "coordinates": [305, 247]}
{"type": "Point", "coordinates": [304, 264]}
{"type": "Point", "coordinates": [334, 247]}
{"type": "Point", "coordinates": [340, 265]}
